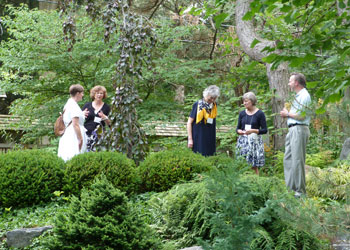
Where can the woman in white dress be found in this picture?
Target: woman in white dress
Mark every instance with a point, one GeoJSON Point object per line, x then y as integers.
{"type": "Point", "coordinates": [73, 141]}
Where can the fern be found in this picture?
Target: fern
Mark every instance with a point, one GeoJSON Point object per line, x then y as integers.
{"type": "Point", "coordinates": [263, 241]}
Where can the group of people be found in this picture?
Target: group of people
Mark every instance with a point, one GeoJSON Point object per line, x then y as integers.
{"type": "Point", "coordinates": [201, 130]}
{"type": "Point", "coordinates": [81, 124]}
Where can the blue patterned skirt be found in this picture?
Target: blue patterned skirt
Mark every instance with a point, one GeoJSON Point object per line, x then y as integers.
{"type": "Point", "coordinates": [252, 149]}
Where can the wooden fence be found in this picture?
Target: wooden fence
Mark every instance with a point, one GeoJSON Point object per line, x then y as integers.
{"type": "Point", "coordinates": [154, 128]}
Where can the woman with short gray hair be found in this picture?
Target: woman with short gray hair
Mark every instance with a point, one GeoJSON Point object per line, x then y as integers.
{"type": "Point", "coordinates": [201, 124]}
{"type": "Point", "coordinates": [251, 125]}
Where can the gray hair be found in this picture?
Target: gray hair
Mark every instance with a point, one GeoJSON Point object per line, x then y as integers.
{"type": "Point", "coordinates": [300, 78]}
{"type": "Point", "coordinates": [250, 96]}
{"type": "Point", "coordinates": [212, 91]}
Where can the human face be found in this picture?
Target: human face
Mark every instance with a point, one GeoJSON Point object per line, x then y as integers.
{"type": "Point", "coordinates": [99, 95]}
{"type": "Point", "coordinates": [292, 83]}
{"type": "Point", "coordinates": [248, 104]}
{"type": "Point", "coordinates": [80, 96]}
{"type": "Point", "coordinates": [210, 99]}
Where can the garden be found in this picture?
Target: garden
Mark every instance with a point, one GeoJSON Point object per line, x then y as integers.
{"type": "Point", "coordinates": [144, 190]}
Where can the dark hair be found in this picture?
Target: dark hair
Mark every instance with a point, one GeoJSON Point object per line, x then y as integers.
{"type": "Point", "coordinates": [300, 78]}
{"type": "Point", "coordinates": [96, 89]}
{"type": "Point", "coordinates": [75, 88]}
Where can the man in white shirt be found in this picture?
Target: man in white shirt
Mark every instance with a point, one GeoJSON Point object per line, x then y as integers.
{"type": "Point", "coordinates": [298, 135]}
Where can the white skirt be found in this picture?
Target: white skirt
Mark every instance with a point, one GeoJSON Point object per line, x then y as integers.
{"type": "Point", "coordinates": [69, 144]}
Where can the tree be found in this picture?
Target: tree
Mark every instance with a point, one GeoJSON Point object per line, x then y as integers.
{"type": "Point", "coordinates": [37, 66]}
{"type": "Point", "coordinates": [135, 43]}
{"type": "Point", "coordinates": [278, 78]}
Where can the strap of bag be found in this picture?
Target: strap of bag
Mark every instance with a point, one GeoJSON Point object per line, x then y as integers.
{"type": "Point", "coordinates": [62, 118]}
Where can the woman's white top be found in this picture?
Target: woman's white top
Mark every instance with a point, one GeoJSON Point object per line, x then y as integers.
{"type": "Point", "coordinates": [69, 143]}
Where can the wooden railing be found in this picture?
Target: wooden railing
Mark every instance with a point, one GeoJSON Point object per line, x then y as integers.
{"type": "Point", "coordinates": [8, 122]}
{"type": "Point", "coordinates": [157, 128]}
{"type": "Point", "coordinates": [154, 128]}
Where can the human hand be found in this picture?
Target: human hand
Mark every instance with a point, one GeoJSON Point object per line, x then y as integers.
{"type": "Point", "coordinates": [80, 143]}
{"type": "Point", "coordinates": [102, 115]}
{"type": "Point", "coordinates": [249, 131]}
{"type": "Point", "coordinates": [284, 113]}
{"type": "Point", "coordinates": [241, 132]}
{"type": "Point", "coordinates": [86, 112]}
{"type": "Point", "coordinates": [190, 143]}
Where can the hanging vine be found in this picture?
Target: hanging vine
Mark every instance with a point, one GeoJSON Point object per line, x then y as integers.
{"type": "Point", "coordinates": [135, 43]}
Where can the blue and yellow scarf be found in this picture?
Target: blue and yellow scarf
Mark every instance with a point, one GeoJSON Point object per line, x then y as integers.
{"type": "Point", "coordinates": [205, 111]}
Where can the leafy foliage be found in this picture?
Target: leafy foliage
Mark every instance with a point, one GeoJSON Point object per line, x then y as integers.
{"type": "Point", "coordinates": [82, 169]}
{"type": "Point", "coordinates": [180, 214]}
{"type": "Point", "coordinates": [251, 214]}
{"type": "Point", "coordinates": [33, 216]}
{"type": "Point", "coordinates": [29, 177]}
{"type": "Point", "coordinates": [162, 170]}
{"type": "Point", "coordinates": [315, 36]}
{"type": "Point", "coordinates": [37, 67]}
{"type": "Point", "coordinates": [329, 182]}
{"type": "Point", "coordinates": [101, 219]}
{"type": "Point", "coordinates": [135, 41]}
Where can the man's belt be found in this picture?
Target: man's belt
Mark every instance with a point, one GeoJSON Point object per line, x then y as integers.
{"type": "Point", "coordinates": [296, 124]}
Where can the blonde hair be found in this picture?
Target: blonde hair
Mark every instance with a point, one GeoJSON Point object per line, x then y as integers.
{"type": "Point", "coordinates": [96, 89]}
{"type": "Point", "coordinates": [250, 96]}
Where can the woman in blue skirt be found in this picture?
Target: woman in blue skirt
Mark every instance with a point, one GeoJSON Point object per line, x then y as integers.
{"type": "Point", "coordinates": [251, 125]}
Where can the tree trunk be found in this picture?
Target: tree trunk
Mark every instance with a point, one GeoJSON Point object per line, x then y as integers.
{"type": "Point", "coordinates": [278, 79]}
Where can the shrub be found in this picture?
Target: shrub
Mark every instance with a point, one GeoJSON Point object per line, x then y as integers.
{"type": "Point", "coordinates": [101, 219]}
{"type": "Point", "coordinates": [180, 214]}
{"type": "Point", "coordinates": [83, 168]}
{"type": "Point", "coordinates": [162, 170]}
{"type": "Point", "coordinates": [255, 213]}
{"type": "Point", "coordinates": [29, 177]}
{"type": "Point", "coordinates": [320, 159]}
{"type": "Point", "coordinates": [331, 183]}
{"type": "Point", "coordinates": [220, 161]}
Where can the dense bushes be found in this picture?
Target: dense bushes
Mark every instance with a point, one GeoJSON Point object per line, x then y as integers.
{"type": "Point", "coordinates": [29, 177]}
{"type": "Point", "coordinates": [255, 213]}
{"type": "Point", "coordinates": [101, 219]}
{"type": "Point", "coordinates": [331, 183]}
{"type": "Point", "coordinates": [320, 159]}
{"type": "Point", "coordinates": [82, 169]}
{"type": "Point", "coordinates": [180, 215]}
{"type": "Point", "coordinates": [161, 170]}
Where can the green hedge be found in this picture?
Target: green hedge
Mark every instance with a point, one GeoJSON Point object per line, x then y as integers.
{"type": "Point", "coordinates": [29, 177]}
{"type": "Point", "coordinates": [82, 169]}
{"type": "Point", "coordinates": [162, 170]}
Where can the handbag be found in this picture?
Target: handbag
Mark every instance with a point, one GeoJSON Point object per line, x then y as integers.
{"type": "Point", "coordinates": [59, 127]}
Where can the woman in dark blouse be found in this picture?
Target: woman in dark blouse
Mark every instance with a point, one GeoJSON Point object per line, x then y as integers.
{"type": "Point", "coordinates": [97, 116]}
{"type": "Point", "coordinates": [251, 125]}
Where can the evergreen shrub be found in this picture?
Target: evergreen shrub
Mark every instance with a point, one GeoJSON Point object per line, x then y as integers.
{"type": "Point", "coordinates": [162, 170]}
{"type": "Point", "coordinates": [180, 215]}
{"type": "Point", "coordinates": [29, 177]}
{"type": "Point", "coordinates": [101, 219]}
{"type": "Point", "coordinates": [82, 169]}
